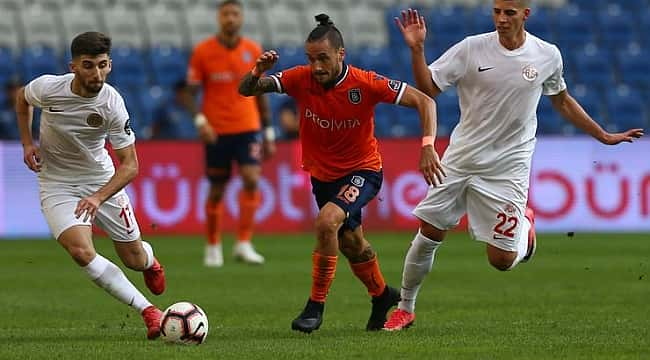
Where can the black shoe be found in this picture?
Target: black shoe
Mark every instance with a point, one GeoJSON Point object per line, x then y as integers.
{"type": "Point", "coordinates": [310, 318]}
{"type": "Point", "coordinates": [380, 306]}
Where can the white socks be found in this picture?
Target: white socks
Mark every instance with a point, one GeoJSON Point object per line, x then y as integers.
{"type": "Point", "coordinates": [522, 243]}
{"type": "Point", "coordinates": [417, 265]}
{"type": "Point", "coordinates": [149, 251]}
{"type": "Point", "coordinates": [109, 277]}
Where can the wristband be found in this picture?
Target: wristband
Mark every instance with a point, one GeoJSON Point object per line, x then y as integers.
{"type": "Point", "coordinates": [200, 120]}
{"type": "Point", "coordinates": [269, 133]}
{"type": "Point", "coordinates": [427, 140]}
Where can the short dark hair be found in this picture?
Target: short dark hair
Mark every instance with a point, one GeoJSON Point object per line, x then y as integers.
{"type": "Point", "coordinates": [326, 28]}
{"type": "Point", "coordinates": [229, 2]}
{"type": "Point", "coordinates": [91, 43]}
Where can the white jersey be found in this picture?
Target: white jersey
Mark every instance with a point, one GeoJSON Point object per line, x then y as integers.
{"type": "Point", "coordinates": [74, 130]}
{"type": "Point", "coordinates": [498, 91]}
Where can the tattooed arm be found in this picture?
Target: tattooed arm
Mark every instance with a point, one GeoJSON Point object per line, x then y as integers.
{"type": "Point", "coordinates": [252, 83]}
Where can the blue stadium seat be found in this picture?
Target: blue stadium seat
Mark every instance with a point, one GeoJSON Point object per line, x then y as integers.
{"type": "Point", "coordinates": [574, 28]}
{"type": "Point", "coordinates": [446, 26]}
{"type": "Point", "coordinates": [593, 66]}
{"type": "Point", "coordinates": [129, 70]}
{"type": "Point", "coordinates": [39, 60]}
{"type": "Point", "coordinates": [616, 28]}
{"type": "Point", "coordinates": [539, 24]}
{"type": "Point", "coordinates": [384, 116]}
{"type": "Point", "coordinates": [291, 56]}
{"type": "Point", "coordinates": [549, 122]}
{"type": "Point", "coordinates": [634, 66]}
{"type": "Point", "coordinates": [169, 65]}
{"type": "Point", "coordinates": [379, 60]}
{"type": "Point", "coordinates": [626, 108]}
{"type": "Point", "coordinates": [406, 123]}
{"type": "Point", "coordinates": [448, 112]}
{"type": "Point", "coordinates": [7, 65]}
{"type": "Point", "coordinates": [481, 19]}
{"type": "Point", "coordinates": [591, 100]}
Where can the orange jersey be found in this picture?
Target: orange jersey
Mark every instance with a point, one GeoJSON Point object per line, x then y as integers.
{"type": "Point", "coordinates": [337, 124]}
{"type": "Point", "coordinates": [218, 69]}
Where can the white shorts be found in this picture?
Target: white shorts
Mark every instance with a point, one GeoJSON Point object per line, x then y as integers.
{"type": "Point", "coordinates": [115, 215]}
{"type": "Point", "coordinates": [495, 208]}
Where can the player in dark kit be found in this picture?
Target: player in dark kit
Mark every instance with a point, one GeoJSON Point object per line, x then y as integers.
{"type": "Point", "coordinates": [336, 107]}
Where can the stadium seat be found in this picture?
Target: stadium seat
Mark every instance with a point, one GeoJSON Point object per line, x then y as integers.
{"type": "Point", "coordinates": [378, 60]}
{"type": "Point", "coordinates": [369, 28]}
{"type": "Point", "coordinates": [41, 26]}
{"type": "Point", "coordinates": [169, 65]}
{"type": "Point", "coordinates": [447, 26]}
{"type": "Point", "coordinates": [201, 22]}
{"type": "Point", "coordinates": [290, 56]}
{"type": "Point", "coordinates": [406, 123]}
{"type": "Point", "coordinates": [384, 115]}
{"type": "Point", "coordinates": [125, 26]}
{"type": "Point", "coordinates": [78, 19]}
{"type": "Point", "coordinates": [592, 66]}
{"type": "Point", "coordinates": [634, 65]}
{"type": "Point", "coordinates": [448, 111]}
{"type": "Point", "coordinates": [615, 26]}
{"type": "Point", "coordinates": [254, 25]}
{"type": "Point", "coordinates": [549, 122]}
{"type": "Point", "coordinates": [164, 27]}
{"type": "Point", "coordinates": [538, 24]}
{"type": "Point", "coordinates": [7, 66]}
{"type": "Point", "coordinates": [626, 108]}
{"type": "Point", "coordinates": [481, 18]}
{"type": "Point", "coordinates": [574, 28]}
{"type": "Point", "coordinates": [129, 69]}
{"type": "Point", "coordinates": [39, 60]}
{"type": "Point", "coordinates": [337, 11]}
{"type": "Point", "coordinates": [591, 100]}
{"type": "Point", "coordinates": [9, 36]}
{"type": "Point", "coordinates": [289, 31]}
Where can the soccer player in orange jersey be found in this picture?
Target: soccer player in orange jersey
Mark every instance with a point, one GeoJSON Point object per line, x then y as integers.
{"type": "Point", "coordinates": [229, 124]}
{"type": "Point", "coordinates": [336, 107]}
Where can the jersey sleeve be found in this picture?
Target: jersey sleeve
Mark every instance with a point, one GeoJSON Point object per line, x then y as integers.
{"type": "Point", "coordinates": [385, 90]}
{"type": "Point", "coordinates": [120, 133]}
{"type": "Point", "coordinates": [289, 81]}
{"type": "Point", "coordinates": [555, 84]}
{"type": "Point", "coordinates": [194, 69]}
{"type": "Point", "coordinates": [450, 66]}
{"type": "Point", "coordinates": [36, 90]}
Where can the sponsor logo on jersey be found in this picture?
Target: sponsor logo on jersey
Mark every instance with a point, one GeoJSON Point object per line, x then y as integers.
{"type": "Point", "coordinates": [332, 125]}
{"type": "Point", "coordinates": [127, 127]}
{"type": "Point", "coordinates": [394, 85]}
{"type": "Point", "coordinates": [278, 74]}
{"type": "Point", "coordinates": [354, 95]}
{"type": "Point", "coordinates": [55, 109]}
{"type": "Point", "coordinates": [481, 69]}
{"type": "Point", "coordinates": [95, 120]}
{"type": "Point", "coordinates": [529, 73]}
{"type": "Point", "coordinates": [357, 181]}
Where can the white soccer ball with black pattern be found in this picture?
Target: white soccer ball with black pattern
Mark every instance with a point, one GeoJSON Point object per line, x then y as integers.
{"type": "Point", "coordinates": [184, 323]}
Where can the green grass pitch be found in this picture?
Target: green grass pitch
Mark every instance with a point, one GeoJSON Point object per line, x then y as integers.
{"type": "Point", "coordinates": [585, 297]}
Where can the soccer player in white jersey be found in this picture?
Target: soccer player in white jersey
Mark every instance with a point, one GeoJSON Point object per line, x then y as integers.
{"type": "Point", "coordinates": [78, 182]}
{"type": "Point", "coordinates": [500, 77]}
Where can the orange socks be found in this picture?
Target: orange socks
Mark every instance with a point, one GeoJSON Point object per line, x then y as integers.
{"type": "Point", "coordinates": [368, 272]}
{"type": "Point", "coordinates": [249, 201]}
{"type": "Point", "coordinates": [322, 274]}
{"type": "Point", "coordinates": [213, 217]}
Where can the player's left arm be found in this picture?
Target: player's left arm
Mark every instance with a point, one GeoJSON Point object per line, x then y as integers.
{"type": "Point", "coordinates": [268, 133]}
{"type": "Point", "coordinates": [571, 110]}
{"type": "Point", "coordinates": [253, 83]}
{"type": "Point", "coordinates": [430, 165]}
{"type": "Point", "coordinates": [124, 174]}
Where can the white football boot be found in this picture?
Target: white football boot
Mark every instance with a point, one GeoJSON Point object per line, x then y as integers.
{"type": "Point", "coordinates": [244, 251]}
{"type": "Point", "coordinates": [213, 256]}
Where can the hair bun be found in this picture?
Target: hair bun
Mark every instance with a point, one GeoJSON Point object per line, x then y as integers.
{"type": "Point", "coordinates": [324, 20]}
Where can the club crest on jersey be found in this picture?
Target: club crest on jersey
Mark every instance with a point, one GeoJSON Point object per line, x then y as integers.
{"type": "Point", "coordinates": [357, 181]}
{"type": "Point", "coordinates": [354, 95]}
{"type": "Point", "coordinates": [278, 74]}
{"type": "Point", "coordinates": [246, 56]}
{"type": "Point", "coordinates": [94, 120]}
{"type": "Point", "coordinates": [530, 73]}
{"type": "Point", "coordinates": [394, 85]}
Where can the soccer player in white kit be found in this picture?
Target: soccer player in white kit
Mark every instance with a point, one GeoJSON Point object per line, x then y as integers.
{"type": "Point", "coordinates": [78, 182]}
{"type": "Point", "coordinates": [500, 77]}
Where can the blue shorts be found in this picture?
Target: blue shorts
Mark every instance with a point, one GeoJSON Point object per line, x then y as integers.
{"type": "Point", "coordinates": [244, 148]}
{"type": "Point", "coordinates": [351, 193]}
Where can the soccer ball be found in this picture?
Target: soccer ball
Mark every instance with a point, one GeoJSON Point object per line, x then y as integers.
{"type": "Point", "coordinates": [184, 323]}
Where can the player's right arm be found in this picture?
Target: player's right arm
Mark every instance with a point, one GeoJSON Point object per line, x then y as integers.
{"type": "Point", "coordinates": [253, 84]}
{"type": "Point", "coordinates": [24, 112]}
{"type": "Point", "coordinates": [414, 30]}
{"type": "Point", "coordinates": [195, 77]}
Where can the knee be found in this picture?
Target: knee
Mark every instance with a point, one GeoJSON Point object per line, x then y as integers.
{"type": "Point", "coordinates": [431, 232]}
{"type": "Point", "coordinates": [134, 259]}
{"type": "Point", "coordinates": [350, 248]}
{"type": "Point", "coordinates": [326, 226]}
{"type": "Point", "coordinates": [502, 262]}
{"type": "Point", "coordinates": [81, 255]}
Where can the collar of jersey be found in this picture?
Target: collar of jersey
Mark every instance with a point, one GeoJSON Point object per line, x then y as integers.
{"type": "Point", "coordinates": [339, 80]}
{"type": "Point", "coordinates": [515, 52]}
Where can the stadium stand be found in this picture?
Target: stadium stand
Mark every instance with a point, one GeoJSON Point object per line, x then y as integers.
{"type": "Point", "coordinates": [605, 44]}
